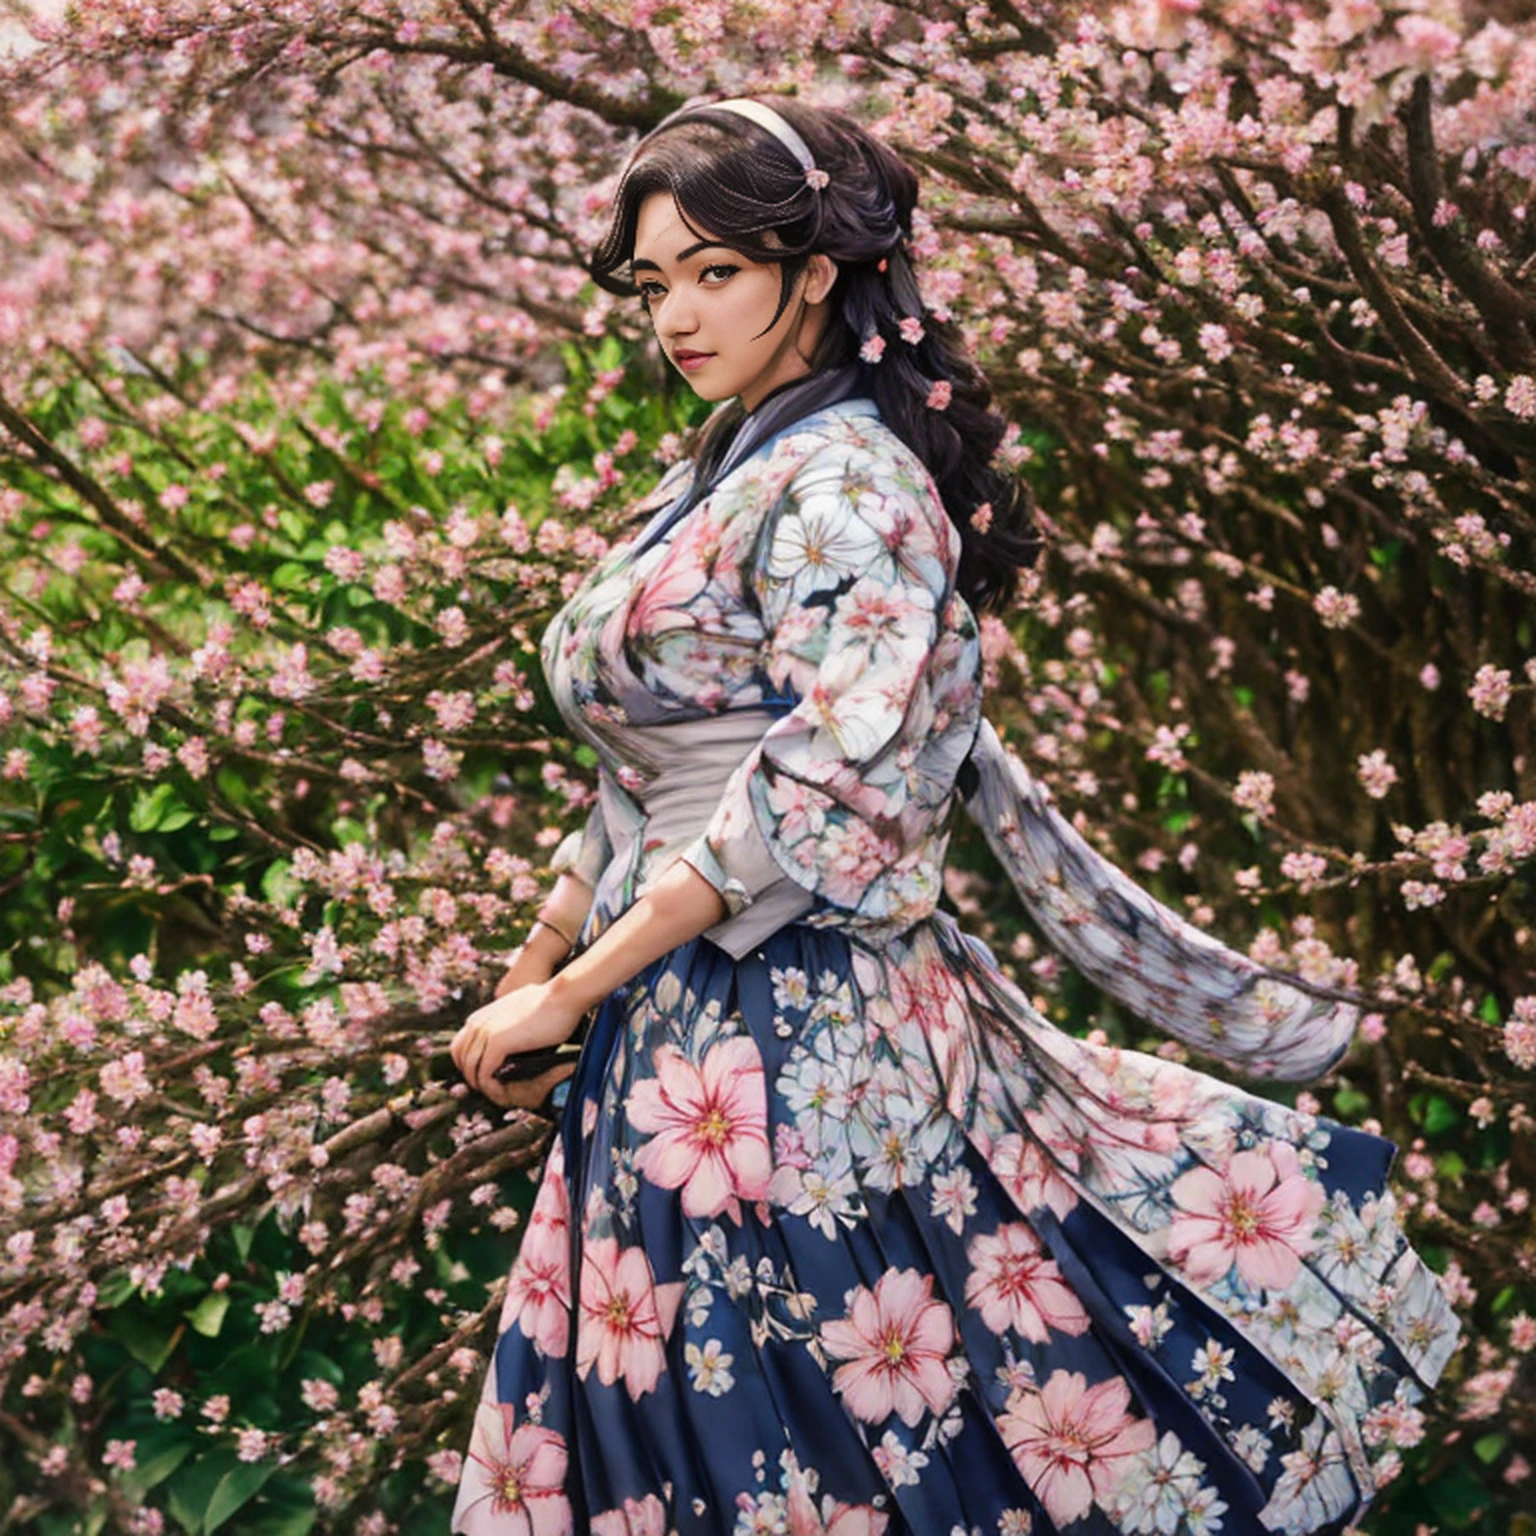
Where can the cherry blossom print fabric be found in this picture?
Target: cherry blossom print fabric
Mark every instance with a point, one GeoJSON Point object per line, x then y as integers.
{"type": "Point", "coordinates": [838, 1235]}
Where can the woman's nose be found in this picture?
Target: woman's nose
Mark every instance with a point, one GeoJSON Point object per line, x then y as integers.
{"type": "Point", "coordinates": [676, 315]}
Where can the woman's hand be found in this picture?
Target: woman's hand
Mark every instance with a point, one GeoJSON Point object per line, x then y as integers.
{"type": "Point", "coordinates": [528, 1019]}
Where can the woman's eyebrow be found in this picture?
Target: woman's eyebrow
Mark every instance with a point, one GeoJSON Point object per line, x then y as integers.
{"type": "Point", "coordinates": [683, 255]}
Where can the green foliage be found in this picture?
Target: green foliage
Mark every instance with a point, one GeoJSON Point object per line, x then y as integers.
{"type": "Point", "coordinates": [313, 1227]}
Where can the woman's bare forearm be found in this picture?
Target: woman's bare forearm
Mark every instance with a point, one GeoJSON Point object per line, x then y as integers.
{"type": "Point", "coordinates": [565, 908]}
{"type": "Point", "coordinates": [680, 906]}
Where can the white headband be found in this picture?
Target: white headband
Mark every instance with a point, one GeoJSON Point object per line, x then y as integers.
{"type": "Point", "coordinates": [766, 118]}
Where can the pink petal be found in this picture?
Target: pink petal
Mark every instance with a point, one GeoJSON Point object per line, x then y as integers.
{"type": "Point", "coordinates": [903, 1292]}
{"type": "Point", "coordinates": [545, 1456]}
{"type": "Point", "coordinates": [1251, 1174]}
{"type": "Point", "coordinates": [708, 1190]}
{"type": "Point", "coordinates": [844, 1339]}
{"type": "Point", "coordinates": [865, 1387]}
{"type": "Point", "coordinates": [1269, 1262]}
{"type": "Point", "coordinates": [1066, 1492]}
{"type": "Point", "coordinates": [935, 1330]}
{"type": "Point", "coordinates": [551, 1516]}
{"type": "Point", "coordinates": [1062, 1393]}
{"type": "Point", "coordinates": [1200, 1190]}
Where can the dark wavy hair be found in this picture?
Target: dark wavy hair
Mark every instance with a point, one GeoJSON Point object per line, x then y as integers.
{"type": "Point", "coordinates": [736, 182]}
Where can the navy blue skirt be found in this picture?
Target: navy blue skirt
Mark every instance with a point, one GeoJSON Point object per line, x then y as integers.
{"type": "Point", "coordinates": [855, 1242]}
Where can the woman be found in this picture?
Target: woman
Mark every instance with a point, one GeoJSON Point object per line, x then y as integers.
{"type": "Point", "coordinates": [838, 1234]}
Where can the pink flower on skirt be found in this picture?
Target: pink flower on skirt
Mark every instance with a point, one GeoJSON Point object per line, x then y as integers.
{"type": "Point", "coordinates": [1031, 1176]}
{"type": "Point", "coordinates": [539, 1292]}
{"type": "Point", "coordinates": [709, 1127]}
{"type": "Point", "coordinates": [1071, 1441]}
{"type": "Point", "coordinates": [1014, 1285]}
{"type": "Point", "coordinates": [834, 1518]}
{"type": "Point", "coordinates": [635, 1517]}
{"type": "Point", "coordinates": [625, 1317]}
{"type": "Point", "coordinates": [1259, 1215]}
{"type": "Point", "coordinates": [514, 1479]}
{"type": "Point", "coordinates": [896, 1340]}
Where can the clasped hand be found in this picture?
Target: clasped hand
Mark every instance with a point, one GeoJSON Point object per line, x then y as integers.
{"type": "Point", "coordinates": [527, 1017]}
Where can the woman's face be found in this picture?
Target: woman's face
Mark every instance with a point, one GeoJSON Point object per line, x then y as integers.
{"type": "Point", "coordinates": [711, 306]}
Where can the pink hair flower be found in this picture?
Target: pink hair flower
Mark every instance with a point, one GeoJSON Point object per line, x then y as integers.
{"type": "Point", "coordinates": [939, 396]}
{"type": "Point", "coordinates": [911, 330]}
{"type": "Point", "coordinates": [981, 518]}
{"type": "Point", "coordinates": [873, 349]}
{"type": "Point", "coordinates": [817, 178]}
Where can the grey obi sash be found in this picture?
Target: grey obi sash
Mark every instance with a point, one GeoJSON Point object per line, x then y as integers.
{"type": "Point", "coordinates": [648, 827]}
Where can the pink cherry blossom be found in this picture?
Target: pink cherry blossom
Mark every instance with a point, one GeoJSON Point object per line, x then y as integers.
{"type": "Point", "coordinates": [1072, 1441]}
{"type": "Point", "coordinates": [635, 1517]}
{"type": "Point", "coordinates": [709, 1127]}
{"type": "Point", "coordinates": [1031, 1174]}
{"type": "Point", "coordinates": [539, 1291]}
{"type": "Point", "coordinates": [1259, 1214]}
{"type": "Point", "coordinates": [625, 1317]}
{"type": "Point", "coordinates": [514, 1479]}
{"type": "Point", "coordinates": [896, 1341]}
{"type": "Point", "coordinates": [1013, 1284]}
{"type": "Point", "coordinates": [833, 1517]}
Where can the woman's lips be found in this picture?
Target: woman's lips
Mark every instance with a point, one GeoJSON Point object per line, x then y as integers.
{"type": "Point", "coordinates": [688, 361]}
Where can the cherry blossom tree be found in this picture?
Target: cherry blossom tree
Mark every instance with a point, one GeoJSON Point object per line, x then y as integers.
{"type": "Point", "coordinates": [306, 414]}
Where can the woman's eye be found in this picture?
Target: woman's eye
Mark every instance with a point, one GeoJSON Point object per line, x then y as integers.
{"type": "Point", "coordinates": [650, 290]}
{"type": "Point", "coordinates": [720, 267]}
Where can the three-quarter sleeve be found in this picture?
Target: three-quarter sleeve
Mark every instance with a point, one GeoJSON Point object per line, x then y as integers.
{"type": "Point", "coordinates": [852, 575]}
{"type": "Point", "coordinates": [585, 852]}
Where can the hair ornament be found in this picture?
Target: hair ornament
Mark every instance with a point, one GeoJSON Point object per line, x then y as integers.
{"type": "Point", "coordinates": [883, 266]}
{"type": "Point", "coordinates": [911, 330]}
{"type": "Point", "coordinates": [755, 112]}
{"type": "Point", "coordinates": [873, 349]}
{"type": "Point", "coordinates": [940, 395]}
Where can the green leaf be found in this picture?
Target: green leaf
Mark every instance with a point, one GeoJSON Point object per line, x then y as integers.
{"type": "Point", "coordinates": [278, 884]}
{"type": "Point", "coordinates": [1350, 1103]}
{"type": "Point", "coordinates": [159, 809]}
{"type": "Point", "coordinates": [286, 1508]}
{"type": "Point", "coordinates": [346, 831]}
{"type": "Point", "coordinates": [1490, 1012]}
{"type": "Point", "coordinates": [207, 1317]}
{"type": "Point", "coordinates": [1490, 1448]}
{"type": "Point", "coordinates": [292, 525]}
{"type": "Point", "coordinates": [236, 1489]}
{"type": "Point", "coordinates": [194, 1485]}
{"type": "Point", "coordinates": [243, 1237]}
{"type": "Point", "coordinates": [233, 786]}
{"type": "Point", "coordinates": [150, 1340]}
{"type": "Point", "coordinates": [1459, 1497]}
{"type": "Point", "coordinates": [290, 576]}
{"type": "Point", "coordinates": [154, 1469]}
{"type": "Point", "coordinates": [115, 1290]}
{"type": "Point", "coordinates": [1440, 1114]}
